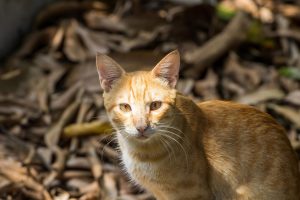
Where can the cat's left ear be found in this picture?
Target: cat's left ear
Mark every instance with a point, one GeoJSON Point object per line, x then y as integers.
{"type": "Point", "coordinates": [168, 68]}
{"type": "Point", "coordinates": [109, 71]}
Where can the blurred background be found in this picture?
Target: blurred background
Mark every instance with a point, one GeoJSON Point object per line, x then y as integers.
{"type": "Point", "coordinates": [55, 139]}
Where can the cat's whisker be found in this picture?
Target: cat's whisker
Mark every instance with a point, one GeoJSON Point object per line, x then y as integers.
{"type": "Point", "coordinates": [115, 130]}
{"type": "Point", "coordinates": [108, 132]}
{"type": "Point", "coordinates": [167, 131]}
{"type": "Point", "coordinates": [166, 148]}
{"type": "Point", "coordinates": [102, 152]}
{"type": "Point", "coordinates": [181, 136]}
{"type": "Point", "coordinates": [169, 146]}
{"type": "Point", "coordinates": [121, 128]}
{"type": "Point", "coordinates": [180, 145]}
{"type": "Point", "coordinates": [126, 135]}
{"type": "Point", "coordinates": [102, 138]}
{"type": "Point", "coordinates": [170, 127]}
{"type": "Point", "coordinates": [166, 125]}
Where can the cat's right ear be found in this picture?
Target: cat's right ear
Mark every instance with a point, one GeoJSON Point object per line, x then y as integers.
{"type": "Point", "coordinates": [109, 71]}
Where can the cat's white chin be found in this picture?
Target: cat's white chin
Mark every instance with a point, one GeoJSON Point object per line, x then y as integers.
{"type": "Point", "coordinates": [138, 137]}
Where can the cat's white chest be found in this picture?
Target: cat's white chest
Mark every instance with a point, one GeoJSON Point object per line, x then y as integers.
{"type": "Point", "coordinates": [133, 167]}
{"type": "Point", "coordinates": [141, 172]}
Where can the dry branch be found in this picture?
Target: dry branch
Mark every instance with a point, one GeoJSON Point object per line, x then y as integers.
{"type": "Point", "coordinates": [232, 36]}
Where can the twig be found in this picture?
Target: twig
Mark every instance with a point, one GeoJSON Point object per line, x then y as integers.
{"type": "Point", "coordinates": [95, 163]}
{"type": "Point", "coordinates": [52, 136]}
{"type": "Point", "coordinates": [232, 36]}
{"type": "Point", "coordinates": [66, 97]}
{"type": "Point", "coordinates": [51, 139]}
{"type": "Point", "coordinates": [58, 166]}
{"type": "Point", "coordinates": [84, 107]}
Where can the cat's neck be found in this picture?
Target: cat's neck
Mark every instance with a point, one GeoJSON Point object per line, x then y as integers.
{"type": "Point", "coordinates": [193, 118]}
{"type": "Point", "coordinates": [141, 151]}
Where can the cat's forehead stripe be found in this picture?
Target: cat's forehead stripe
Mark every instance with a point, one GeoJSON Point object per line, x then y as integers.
{"type": "Point", "coordinates": [138, 87]}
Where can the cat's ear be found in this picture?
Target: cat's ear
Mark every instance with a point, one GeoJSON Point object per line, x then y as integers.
{"type": "Point", "coordinates": [109, 71]}
{"type": "Point", "coordinates": [168, 68]}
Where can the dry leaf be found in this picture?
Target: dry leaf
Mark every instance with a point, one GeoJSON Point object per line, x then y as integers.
{"type": "Point", "coordinates": [95, 127]}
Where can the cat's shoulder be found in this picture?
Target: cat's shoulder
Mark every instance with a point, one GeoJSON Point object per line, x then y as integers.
{"type": "Point", "coordinates": [227, 105]}
{"type": "Point", "coordinates": [234, 111]}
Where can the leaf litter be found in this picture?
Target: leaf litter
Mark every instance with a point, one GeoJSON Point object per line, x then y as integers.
{"type": "Point", "coordinates": [56, 142]}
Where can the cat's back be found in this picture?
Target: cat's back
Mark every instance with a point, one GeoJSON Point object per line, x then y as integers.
{"type": "Point", "coordinates": [248, 153]}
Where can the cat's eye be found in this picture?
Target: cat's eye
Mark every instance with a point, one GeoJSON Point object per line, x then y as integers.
{"type": "Point", "coordinates": [155, 105]}
{"type": "Point", "coordinates": [125, 107]}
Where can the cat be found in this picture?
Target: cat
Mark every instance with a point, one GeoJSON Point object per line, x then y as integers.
{"type": "Point", "coordinates": [182, 150]}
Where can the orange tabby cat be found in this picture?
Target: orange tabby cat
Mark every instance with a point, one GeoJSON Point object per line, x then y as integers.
{"type": "Point", "coordinates": [180, 150]}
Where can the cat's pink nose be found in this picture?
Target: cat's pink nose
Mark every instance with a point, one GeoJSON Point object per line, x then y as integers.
{"type": "Point", "coordinates": [142, 129]}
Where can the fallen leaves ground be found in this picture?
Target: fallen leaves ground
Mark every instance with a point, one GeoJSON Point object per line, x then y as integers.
{"type": "Point", "coordinates": [56, 142]}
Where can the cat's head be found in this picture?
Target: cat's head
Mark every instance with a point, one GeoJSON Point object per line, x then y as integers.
{"type": "Point", "coordinates": [139, 103]}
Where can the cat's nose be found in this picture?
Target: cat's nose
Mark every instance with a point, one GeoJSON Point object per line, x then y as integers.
{"type": "Point", "coordinates": [142, 129]}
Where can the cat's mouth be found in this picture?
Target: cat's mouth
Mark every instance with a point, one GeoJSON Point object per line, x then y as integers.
{"type": "Point", "coordinates": [142, 136]}
{"type": "Point", "coordinates": [145, 135]}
